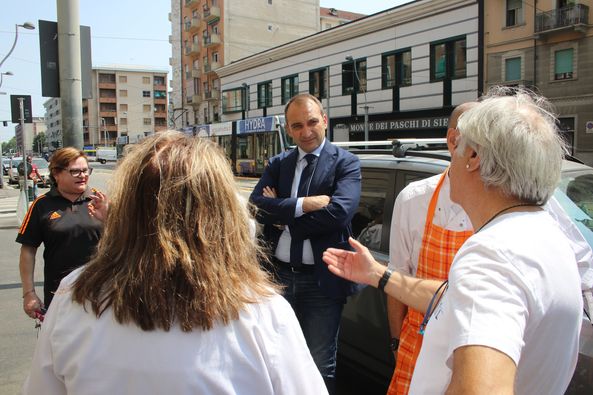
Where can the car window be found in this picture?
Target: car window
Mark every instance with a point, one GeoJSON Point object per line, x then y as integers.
{"type": "Point", "coordinates": [575, 194]}
{"type": "Point", "coordinates": [41, 163]}
{"type": "Point", "coordinates": [368, 224]}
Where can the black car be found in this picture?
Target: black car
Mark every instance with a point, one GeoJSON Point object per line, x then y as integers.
{"type": "Point", "coordinates": [364, 334]}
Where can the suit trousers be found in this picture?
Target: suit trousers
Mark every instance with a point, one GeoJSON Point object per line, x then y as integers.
{"type": "Point", "coordinates": [319, 317]}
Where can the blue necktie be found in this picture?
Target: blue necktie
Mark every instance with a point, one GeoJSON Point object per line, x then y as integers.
{"type": "Point", "coordinates": [296, 246]}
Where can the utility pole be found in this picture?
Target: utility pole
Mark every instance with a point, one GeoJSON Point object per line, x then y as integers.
{"type": "Point", "coordinates": [24, 155]}
{"type": "Point", "coordinates": [70, 72]}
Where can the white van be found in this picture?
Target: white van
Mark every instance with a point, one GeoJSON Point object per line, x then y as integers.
{"type": "Point", "coordinates": [106, 154]}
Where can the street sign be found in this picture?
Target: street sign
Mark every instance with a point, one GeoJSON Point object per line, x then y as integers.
{"type": "Point", "coordinates": [50, 66]}
{"type": "Point", "coordinates": [16, 111]}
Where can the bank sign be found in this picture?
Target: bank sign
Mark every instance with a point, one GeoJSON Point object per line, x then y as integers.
{"type": "Point", "coordinates": [401, 124]}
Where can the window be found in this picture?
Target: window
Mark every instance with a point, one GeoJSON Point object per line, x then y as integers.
{"type": "Point", "coordinates": [264, 94]}
{"type": "Point", "coordinates": [563, 64]}
{"type": "Point", "coordinates": [214, 57]}
{"type": "Point", "coordinates": [290, 87]}
{"type": "Point", "coordinates": [123, 121]}
{"type": "Point", "coordinates": [448, 59]}
{"type": "Point", "coordinates": [160, 94]}
{"type": "Point", "coordinates": [147, 121]}
{"type": "Point", "coordinates": [354, 79]}
{"type": "Point", "coordinates": [318, 83]}
{"type": "Point", "coordinates": [146, 80]}
{"type": "Point", "coordinates": [368, 224]}
{"type": "Point", "coordinates": [123, 107]}
{"type": "Point", "coordinates": [123, 79]}
{"type": "Point", "coordinates": [514, 15]}
{"type": "Point", "coordinates": [232, 100]}
{"type": "Point", "coordinates": [146, 108]}
{"type": "Point", "coordinates": [145, 93]}
{"type": "Point", "coordinates": [396, 69]}
{"type": "Point", "coordinates": [566, 126]}
{"type": "Point", "coordinates": [158, 80]}
{"type": "Point", "coordinates": [512, 69]}
{"type": "Point", "coordinates": [270, 2]}
{"type": "Point", "coordinates": [123, 93]}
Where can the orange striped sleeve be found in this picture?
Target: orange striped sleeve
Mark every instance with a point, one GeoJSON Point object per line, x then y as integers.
{"type": "Point", "coordinates": [28, 216]}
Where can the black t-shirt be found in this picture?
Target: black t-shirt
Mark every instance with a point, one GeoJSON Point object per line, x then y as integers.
{"type": "Point", "coordinates": [68, 232]}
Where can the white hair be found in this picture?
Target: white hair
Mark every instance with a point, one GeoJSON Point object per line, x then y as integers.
{"type": "Point", "coordinates": [515, 136]}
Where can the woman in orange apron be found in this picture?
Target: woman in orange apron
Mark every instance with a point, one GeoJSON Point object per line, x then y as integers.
{"type": "Point", "coordinates": [439, 246]}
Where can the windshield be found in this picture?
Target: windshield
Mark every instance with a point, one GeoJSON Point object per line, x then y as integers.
{"type": "Point", "coordinates": [40, 163]}
{"type": "Point", "coordinates": [15, 162]}
{"type": "Point", "coordinates": [575, 194]}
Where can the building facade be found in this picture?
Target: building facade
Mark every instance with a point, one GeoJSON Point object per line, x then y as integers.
{"type": "Point", "coordinates": [203, 39]}
{"type": "Point", "coordinates": [53, 121]}
{"type": "Point", "coordinates": [128, 102]}
{"type": "Point", "coordinates": [549, 48]}
{"type": "Point", "coordinates": [331, 17]}
{"type": "Point", "coordinates": [403, 70]}
{"type": "Point", "coordinates": [26, 134]}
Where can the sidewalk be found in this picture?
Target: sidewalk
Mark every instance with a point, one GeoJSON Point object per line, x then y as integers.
{"type": "Point", "coordinates": [8, 191]}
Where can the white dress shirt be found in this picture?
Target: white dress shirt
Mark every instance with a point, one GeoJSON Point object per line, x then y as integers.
{"type": "Point", "coordinates": [283, 248]}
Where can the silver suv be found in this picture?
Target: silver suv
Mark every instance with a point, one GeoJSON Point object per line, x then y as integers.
{"type": "Point", "coordinates": [364, 333]}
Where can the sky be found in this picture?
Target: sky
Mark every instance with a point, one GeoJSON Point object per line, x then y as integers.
{"type": "Point", "coordinates": [124, 32]}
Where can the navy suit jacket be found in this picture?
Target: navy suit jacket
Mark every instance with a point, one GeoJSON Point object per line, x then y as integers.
{"type": "Point", "coordinates": [337, 175]}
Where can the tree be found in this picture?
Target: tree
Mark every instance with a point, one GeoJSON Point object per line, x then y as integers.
{"type": "Point", "coordinates": [9, 146]}
{"type": "Point", "coordinates": [39, 142]}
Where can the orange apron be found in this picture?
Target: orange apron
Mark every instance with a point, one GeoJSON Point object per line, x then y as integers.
{"type": "Point", "coordinates": [438, 249]}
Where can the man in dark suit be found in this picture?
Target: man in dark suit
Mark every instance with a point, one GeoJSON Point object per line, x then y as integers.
{"type": "Point", "coordinates": [306, 199]}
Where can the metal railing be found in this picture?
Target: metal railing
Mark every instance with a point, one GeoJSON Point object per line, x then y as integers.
{"type": "Point", "coordinates": [577, 14]}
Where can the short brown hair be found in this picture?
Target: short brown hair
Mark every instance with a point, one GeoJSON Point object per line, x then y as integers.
{"type": "Point", "coordinates": [300, 98]}
{"type": "Point", "coordinates": [61, 159]}
{"type": "Point", "coordinates": [177, 247]}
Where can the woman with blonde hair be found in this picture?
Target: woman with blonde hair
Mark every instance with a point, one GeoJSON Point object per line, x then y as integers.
{"type": "Point", "coordinates": [174, 301]}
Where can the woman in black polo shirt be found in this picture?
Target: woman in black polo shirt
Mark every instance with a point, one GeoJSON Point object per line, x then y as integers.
{"type": "Point", "coordinates": [67, 220]}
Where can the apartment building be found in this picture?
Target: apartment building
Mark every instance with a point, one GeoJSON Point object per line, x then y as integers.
{"type": "Point", "coordinates": [403, 69]}
{"type": "Point", "coordinates": [203, 39]}
{"type": "Point", "coordinates": [53, 121]}
{"type": "Point", "coordinates": [26, 134]}
{"type": "Point", "coordinates": [546, 45]}
{"type": "Point", "coordinates": [128, 103]}
{"type": "Point", "coordinates": [331, 17]}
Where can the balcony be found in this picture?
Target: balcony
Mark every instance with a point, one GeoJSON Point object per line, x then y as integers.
{"type": "Point", "coordinates": [211, 14]}
{"type": "Point", "coordinates": [196, 99]}
{"type": "Point", "coordinates": [192, 50]}
{"type": "Point", "coordinates": [107, 100]}
{"type": "Point", "coordinates": [571, 18]}
{"type": "Point", "coordinates": [195, 73]}
{"type": "Point", "coordinates": [192, 3]}
{"type": "Point", "coordinates": [104, 114]}
{"type": "Point", "coordinates": [211, 67]}
{"type": "Point", "coordinates": [515, 83]}
{"type": "Point", "coordinates": [211, 40]}
{"type": "Point", "coordinates": [106, 85]}
{"type": "Point", "coordinates": [211, 95]}
{"type": "Point", "coordinates": [192, 25]}
{"type": "Point", "coordinates": [160, 114]}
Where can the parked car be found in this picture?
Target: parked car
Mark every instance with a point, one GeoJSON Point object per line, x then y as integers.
{"type": "Point", "coordinates": [43, 170]}
{"type": "Point", "coordinates": [5, 165]}
{"type": "Point", "coordinates": [13, 173]}
{"type": "Point", "coordinates": [364, 334]}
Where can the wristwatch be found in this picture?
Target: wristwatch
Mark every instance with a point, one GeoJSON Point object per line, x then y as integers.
{"type": "Point", "coordinates": [394, 344]}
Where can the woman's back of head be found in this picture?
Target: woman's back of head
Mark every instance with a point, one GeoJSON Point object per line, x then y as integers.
{"type": "Point", "coordinates": [177, 247]}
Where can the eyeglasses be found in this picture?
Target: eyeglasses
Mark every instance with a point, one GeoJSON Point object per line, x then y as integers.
{"type": "Point", "coordinates": [78, 172]}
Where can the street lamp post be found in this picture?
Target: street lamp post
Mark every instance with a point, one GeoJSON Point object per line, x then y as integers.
{"type": "Point", "coordinates": [366, 107]}
{"type": "Point", "coordinates": [26, 25]}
